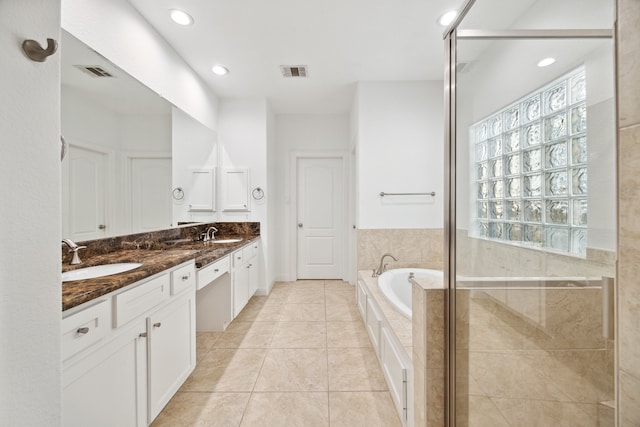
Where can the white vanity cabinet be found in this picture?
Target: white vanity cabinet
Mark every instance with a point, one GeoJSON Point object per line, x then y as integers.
{"type": "Point", "coordinates": [145, 351]}
{"type": "Point", "coordinates": [107, 385]}
{"type": "Point", "coordinates": [245, 275]}
{"type": "Point", "coordinates": [171, 350]}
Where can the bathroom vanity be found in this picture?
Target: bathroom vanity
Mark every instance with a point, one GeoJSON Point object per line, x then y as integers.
{"type": "Point", "coordinates": [128, 340]}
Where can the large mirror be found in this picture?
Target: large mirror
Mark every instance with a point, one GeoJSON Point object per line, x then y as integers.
{"type": "Point", "coordinates": [117, 174]}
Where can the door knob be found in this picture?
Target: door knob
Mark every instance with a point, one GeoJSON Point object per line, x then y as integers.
{"type": "Point", "coordinates": [299, 225]}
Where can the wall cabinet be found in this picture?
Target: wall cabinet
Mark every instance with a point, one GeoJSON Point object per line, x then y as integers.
{"type": "Point", "coordinates": [235, 189]}
{"type": "Point", "coordinates": [142, 351]}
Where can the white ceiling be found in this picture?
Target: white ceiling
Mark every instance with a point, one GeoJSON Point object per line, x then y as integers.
{"type": "Point", "coordinates": [341, 41]}
{"type": "Point", "coordinates": [120, 93]}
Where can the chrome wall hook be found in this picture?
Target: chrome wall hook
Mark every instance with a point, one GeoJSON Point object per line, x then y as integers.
{"type": "Point", "coordinates": [37, 53]}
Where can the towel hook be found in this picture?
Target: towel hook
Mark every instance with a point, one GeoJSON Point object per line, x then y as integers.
{"type": "Point", "coordinates": [37, 53]}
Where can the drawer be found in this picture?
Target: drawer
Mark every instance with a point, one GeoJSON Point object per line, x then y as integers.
{"type": "Point", "coordinates": [238, 259]}
{"type": "Point", "coordinates": [247, 253]}
{"type": "Point", "coordinates": [86, 327]}
{"type": "Point", "coordinates": [208, 274]}
{"type": "Point", "coordinates": [132, 303]}
{"type": "Point", "coordinates": [183, 278]}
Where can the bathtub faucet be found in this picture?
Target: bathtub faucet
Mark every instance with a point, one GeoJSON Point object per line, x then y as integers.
{"type": "Point", "coordinates": [381, 269]}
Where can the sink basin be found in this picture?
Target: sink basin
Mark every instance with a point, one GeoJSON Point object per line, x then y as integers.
{"type": "Point", "coordinates": [225, 240]}
{"type": "Point", "coordinates": [98, 271]}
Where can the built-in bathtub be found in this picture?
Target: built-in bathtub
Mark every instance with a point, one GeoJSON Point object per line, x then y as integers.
{"type": "Point", "coordinates": [396, 286]}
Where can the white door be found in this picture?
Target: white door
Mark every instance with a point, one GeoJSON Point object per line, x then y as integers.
{"type": "Point", "coordinates": [84, 190]}
{"type": "Point", "coordinates": [150, 194]}
{"type": "Point", "coordinates": [320, 218]}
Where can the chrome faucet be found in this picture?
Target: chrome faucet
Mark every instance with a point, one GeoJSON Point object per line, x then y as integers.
{"type": "Point", "coordinates": [210, 234]}
{"type": "Point", "coordinates": [382, 267]}
{"type": "Point", "coordinates": [73, 247]}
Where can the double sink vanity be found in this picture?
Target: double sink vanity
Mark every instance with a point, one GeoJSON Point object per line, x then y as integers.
{"type": "Point", "coordinates": [128, 338]}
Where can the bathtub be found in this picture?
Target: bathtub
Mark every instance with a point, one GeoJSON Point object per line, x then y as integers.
{"type": "Point", "coordinates": [396, 287]}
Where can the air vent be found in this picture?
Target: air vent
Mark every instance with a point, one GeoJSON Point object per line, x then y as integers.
{"type": "Point", "coordinates": [94, 70]}
{"type": "Point", "coordinates": [294, 70]}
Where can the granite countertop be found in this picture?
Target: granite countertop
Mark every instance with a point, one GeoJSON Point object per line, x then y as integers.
{"type": "Point", "coordinates": [155, 258]}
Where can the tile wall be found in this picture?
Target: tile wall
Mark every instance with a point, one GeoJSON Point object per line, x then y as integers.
{"type": "Point", "coordinates": [628, 55]}
{"type": "Point", "coordinates": [413, 248]}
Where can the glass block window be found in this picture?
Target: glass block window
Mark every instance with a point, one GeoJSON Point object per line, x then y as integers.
{"type": "Point", "coordinates": [531, 169]}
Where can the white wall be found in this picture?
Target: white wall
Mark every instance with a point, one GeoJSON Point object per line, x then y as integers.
{"type": "Point", "coordinates": [400, 149]}
{"type": "Point", "coordinates": [116, 30]}
{"type": "Point", "coordinates": [270, 250]}
{"type": "Point", "coordinates": [194, 147]}
{"type": "Point", "coordinates": [312, 133]}
{"type": "Point", "coordinates": [242, 130]}
{"type": "Point", "coordinates": [30, 294]}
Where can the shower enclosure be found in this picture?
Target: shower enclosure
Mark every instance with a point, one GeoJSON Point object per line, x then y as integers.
{"type": "Point", "coordinates": [531, 221]}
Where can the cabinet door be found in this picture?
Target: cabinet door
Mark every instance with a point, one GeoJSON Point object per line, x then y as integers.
{"type": "Point", "coordinates": [172, 350]}
{"type": "Point", "coordinates": [240, 288]}
{"type": "Point", "coordinates": [253, 276]}
{"type": "Point", "coordinates": [235, 189]}
{"type": "Point", "coordinates": [108, 387]}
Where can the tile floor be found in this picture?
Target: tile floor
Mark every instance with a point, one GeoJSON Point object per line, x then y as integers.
{"type": "Point", "coordinates": [298, 357]}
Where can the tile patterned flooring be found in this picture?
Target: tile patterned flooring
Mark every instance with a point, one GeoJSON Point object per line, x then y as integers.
{"type": "Point", "coordinates": [298, 357]}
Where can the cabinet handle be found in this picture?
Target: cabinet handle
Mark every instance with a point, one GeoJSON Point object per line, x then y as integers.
{"type": "Point", "coordinates": [239, 257]}
{"type": "Point", "coordinates": [185, 278]}
{"type": "Point", "coordinates": [143, 334]}
{"type": "Point", "coordinates": [83, 331]}
{"type": "Point", "coordinates": [157, 325]}
{"type": "Point", "coordinates": [216, 270]}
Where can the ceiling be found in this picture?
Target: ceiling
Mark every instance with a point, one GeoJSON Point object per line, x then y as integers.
{"type": "Point", "coordinates": [119, 93]}
{"type": "Point", "coordinates": [341, 41]}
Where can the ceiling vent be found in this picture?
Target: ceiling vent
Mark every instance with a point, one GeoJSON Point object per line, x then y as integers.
{"type": "Point", "coordinates": [94, 70]}
{"type": "Point", "coordinates": [294, 70]}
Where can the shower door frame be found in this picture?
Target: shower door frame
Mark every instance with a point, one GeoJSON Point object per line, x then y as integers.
{"type": "Point", "coordinates": [451, 37]}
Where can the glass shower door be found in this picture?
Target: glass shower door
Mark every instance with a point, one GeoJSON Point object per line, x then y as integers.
{"type": "Point", "coordinates": [532, 224]}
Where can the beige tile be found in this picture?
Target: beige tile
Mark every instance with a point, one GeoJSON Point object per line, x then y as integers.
{"type": "Point", "coordinates": [347, 334]}
{"type": "Point", "coordinates": [483, 413]}
{"type": "Point", "coordinates": [628, 61]}
{"type": "Point", "coordinates": [529, 412]}
{"type": "Point", "coordinates": [339, 285]}
{"type": "Point", "coordinates": [629, 400]}
{"type": "Point", "coordinates": [300, 335]}
{"type": "Point", "coordinates": [260, 312]}
{"type": "Point", "coordinates": [293, 370]}
{"type": "Point", "coordinates": [226, 370]}
{"type": "Point", "coordinates": [355, 369]}
{"type": "Point", "coordinates": [369, 408]}
{"type": "Point", "coordinates": [203, 409]}
{"type": "Point", "coordinates": [511, 375]}
{"type": "Point", "coordinates": [435, 389]}
{"type": "Point", "coordinates": [206, 339]}
{"type": "Point", "coordinates": [339, 296]}
{"type": "Point", "coordinates": [303, 313]}
{"type": "Point", "coordinates": [306, 294]}
{"type": "Point", "coordinates": [419, 396]}
{"type": "Point", "coordinates": [308, 409]}
{"type": "Point", "coordinates": [247, 335]}
{"type": "Point", "coordinates": [580, 374]}
{"type": "Point", "coordinates": [340, 310]}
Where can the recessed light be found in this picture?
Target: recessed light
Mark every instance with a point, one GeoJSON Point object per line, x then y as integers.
{"type": "Point", "coordinates": [546, 62]}
{"type": "Point", "coordinates": [180, 17]}
{"type": "Point", "coordinates": [447, 18]}
{"type": "Point", "coordinates": [220, 70]}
